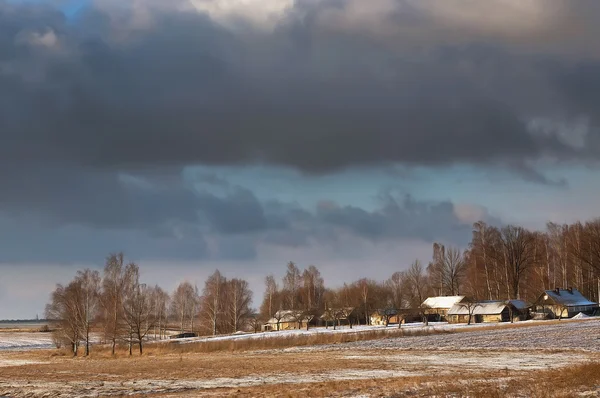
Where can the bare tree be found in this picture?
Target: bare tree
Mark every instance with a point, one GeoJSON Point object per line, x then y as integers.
{"type": "Point", "coordinates": [313, 288]}
{"type": "Point", "coordinates": [364, 295]}
{"type": "Point", "coordinates": [270, 300]}
{"type": "Point", "coordinates": [240, 297]}
{"type": "Point", "coordinates": [113, 285]}
{"type": "Point", "coordinates": [291, 285]}
{"type": "Point", "coordinates": [161, 302]}
{"type": "Point", "coordinates": [519, 246]}
{"type": "Point", "coordinates": [480, 244]}
{"type": "Point", "coordinates": [183, 304]}
{"type": "Point", "coordinates": [87, 289]}
{"type": "Point", "coordinates": [397, 285]}
{"type": "Point", "coordinates": [418, 287]}
{"type": "Point", "coordinates": [453, 270]}
{"type": "Point", "coordinates": [62, 310]}
{"type": "Point", "coordinates": [212, 299]}
{"type": "Point", "coordinates": [138, 308]}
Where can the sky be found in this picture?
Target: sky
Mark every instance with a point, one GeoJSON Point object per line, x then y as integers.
{"type": "Point", "coordinates": [242, 134]}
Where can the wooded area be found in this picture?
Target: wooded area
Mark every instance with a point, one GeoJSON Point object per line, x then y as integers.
{"type": "Point", "coordinates": [500, 263]}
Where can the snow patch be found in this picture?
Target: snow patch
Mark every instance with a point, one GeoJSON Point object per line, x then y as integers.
{"type": "Point", "coordinates": [25, 341]}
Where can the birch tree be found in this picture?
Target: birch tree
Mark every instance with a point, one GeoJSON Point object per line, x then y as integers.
{"type": "Point", "coordinates": [113, 286]}
{"type": "Point", "coordinates": [212, 300]}
{"type": "Point", "coordinates": [291, 285]}
{"type": "Point", "coordinates": [240, 298]}
{"type": "Point", "coordinates": [87, 290]}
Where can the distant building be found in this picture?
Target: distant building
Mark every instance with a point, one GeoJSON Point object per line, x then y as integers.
{"type": "Point", "coordinates": [395, 316]}
{"type": "Point", "coordinates": [563, 303]}
{"type": "Point", "coordinates": [489, 311]}
{"type": "Point", "coordinates": [384, 317]}
{"type": "Point", "coordinates": [338, 316]}
{"type": "Point", "coordinates": [436, 308]}
{"type": "Point", "coordinates": [287, 320]}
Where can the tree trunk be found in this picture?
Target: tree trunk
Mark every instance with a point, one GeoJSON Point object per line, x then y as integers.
{"type": "Point", "coordinates": [130, 342]}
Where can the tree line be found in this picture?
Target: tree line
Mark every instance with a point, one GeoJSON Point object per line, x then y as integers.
{"type": "Point", "coordinates": [510, 262]}
{"type": "Point", "coordinates": [123, 310]}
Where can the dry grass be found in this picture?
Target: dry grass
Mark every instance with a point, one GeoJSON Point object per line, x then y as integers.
{"type": "Point", "coordinates": [297, 373]}
{"type": "Point", "coordinates": [562, 383]}
{"type": "Point", "coordinates": [292, 340]}
{"type": "Point", "coordinates": [253, 343]}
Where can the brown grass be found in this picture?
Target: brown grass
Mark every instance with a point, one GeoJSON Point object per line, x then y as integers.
{"type": "Point", "coordinates": [292, 340]}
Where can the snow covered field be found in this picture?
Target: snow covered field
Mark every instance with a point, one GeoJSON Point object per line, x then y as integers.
{"type": "Point", "coordinates": [500, 354]}
{"type": "Point", "coordinates": [525, 334]}
{"type": "Point", "coordinates": [24, 341]}
{"type": "Point", "coordinates": [581, 335]}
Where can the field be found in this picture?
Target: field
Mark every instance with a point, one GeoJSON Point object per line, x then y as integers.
{"type": "Point", "coordinates": [530, 359]}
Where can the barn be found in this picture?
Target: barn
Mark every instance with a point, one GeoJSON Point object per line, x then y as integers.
{"type": "Point", "coordinates": [287, 320]}
{"type": "Point", "coordinates": [436, 308]}
{"type": "Point", "coordinates": [563, 303]}
{"type": "Point", "coordinates": [491, 311]}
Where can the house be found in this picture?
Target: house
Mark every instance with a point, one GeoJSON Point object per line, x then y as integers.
{"type": "Point", "coordinates": [395, 316]}
{"type": "Point", "coordinates": [488, 311]}
{"type": "Point", "coordinates": [287, 320]}
{"type": "Point", "coordinates": [383, 317]}
{"type": "Point", "coordinates": [563, 303]}
{"type": "Point", "coordinates": [436, 308]}
{"type": "Point", "coordinates": [338, 316]}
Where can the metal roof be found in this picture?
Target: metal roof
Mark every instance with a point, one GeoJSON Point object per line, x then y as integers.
{"type": "Point", "coordinates": [567, 297]}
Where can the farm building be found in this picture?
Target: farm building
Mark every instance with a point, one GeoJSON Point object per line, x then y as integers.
{"type": "Point", "coordinates": [436, 308]}
{"type": "Point", "coordinates": [395, 315]}
{"type": "Point", "coordinates": [339, 316]}
{"type": "Point", "coordinates": [488, 311]}
{"type": "Point", "coordinates": [385, 317]}
{"type": "Point", "coordinates": [563, 303]}
{"type": "Point", "coordinates": [287, 320]}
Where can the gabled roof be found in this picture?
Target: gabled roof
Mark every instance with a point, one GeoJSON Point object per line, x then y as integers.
{"type": "Point", "coordinates": [287, 316]}
{"type": "Point", "coordinates": [520, 304]}
{"type": "Point", "coordinates": [481, 308]}
{"type": "Point", "coordinates": [488, 307]}
{"type": "Point", "coordinates": [566, 297]}
{"type": "Point", "coordinates": [445, 302]}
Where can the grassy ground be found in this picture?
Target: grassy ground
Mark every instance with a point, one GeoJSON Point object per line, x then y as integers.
{"type": "Point", "coordinates": [362, 368]}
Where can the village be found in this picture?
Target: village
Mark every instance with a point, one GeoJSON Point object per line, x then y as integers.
{"type": "Point", "coordinates": [551, 304]}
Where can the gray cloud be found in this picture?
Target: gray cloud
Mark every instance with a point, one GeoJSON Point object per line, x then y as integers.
{"type": "Point", "coordinates": [99, 114]}
{"type": "Point", "coordinates": [183, 89]}
{"type": "Point", "coordinates": [402, 218]}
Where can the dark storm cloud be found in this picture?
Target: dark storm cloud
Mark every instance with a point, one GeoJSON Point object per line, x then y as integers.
{"type": "Point", "coordinates": [185, 90]}
{"type": "Point", "coordinates": [137, 89]}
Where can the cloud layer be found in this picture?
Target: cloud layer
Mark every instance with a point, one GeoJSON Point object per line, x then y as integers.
{"type": "Point", "coordinates": [101, 111]}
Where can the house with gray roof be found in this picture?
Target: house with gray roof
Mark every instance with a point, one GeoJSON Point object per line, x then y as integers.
{"type": "Point", "coordinates": [563, 303]}
{"type": "Point", "coordinates": [488, 311]}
